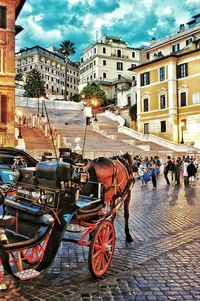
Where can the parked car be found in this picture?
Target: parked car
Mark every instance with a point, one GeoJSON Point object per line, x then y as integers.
{"type": "Point", "coordinates": [8, 155]}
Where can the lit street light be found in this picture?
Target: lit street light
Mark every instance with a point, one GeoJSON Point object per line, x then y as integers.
{"type": "Point", "coordinates": [182, 125]}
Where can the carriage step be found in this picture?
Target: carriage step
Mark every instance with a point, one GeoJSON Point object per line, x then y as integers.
{"type": "Point", "coordinates": [27, 274]}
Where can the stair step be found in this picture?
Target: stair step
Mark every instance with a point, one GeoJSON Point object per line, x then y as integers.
{"type": "Point", "coordinates": [27, 274]}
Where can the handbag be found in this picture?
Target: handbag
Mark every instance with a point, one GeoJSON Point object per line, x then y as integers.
{"type": "Point", "coordinates": [147, 177]}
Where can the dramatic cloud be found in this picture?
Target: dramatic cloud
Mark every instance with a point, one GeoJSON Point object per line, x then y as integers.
{"type": "Point", "coordinates": [47, 23]}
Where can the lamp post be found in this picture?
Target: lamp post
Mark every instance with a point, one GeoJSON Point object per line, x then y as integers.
{"type": "Point", "coordinates": [42, 100]}
{"type": "Point", "coordinates": [19, 115]}
{"type": "Point", "coordinates": [182, 125]}
{"type": "Point", "coordinates": [94, 103]}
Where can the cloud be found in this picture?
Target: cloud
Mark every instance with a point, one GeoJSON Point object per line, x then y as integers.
{"type": "Point", "coordinates": [49, 22]}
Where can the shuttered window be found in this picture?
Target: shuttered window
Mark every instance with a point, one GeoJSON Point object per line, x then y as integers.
{"type": "Point", "coordinates": [3, 109]}
{"type": "Point", "coordinates": [2, 17]}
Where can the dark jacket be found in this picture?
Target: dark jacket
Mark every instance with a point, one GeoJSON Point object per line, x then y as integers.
{"type": "Point", "coordinates": [191, 169]}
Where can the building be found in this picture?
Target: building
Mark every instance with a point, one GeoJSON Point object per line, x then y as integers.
{"type": "Point", "coordinates": [9, 11]}
{"type": "Point", "coordinates": [107, 62]}
{"type": "Point", "coordinates": [51, 65]}
{"type": "Point", "coordinates": [168, 87]}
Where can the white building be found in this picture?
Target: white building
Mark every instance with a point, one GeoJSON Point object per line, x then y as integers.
{"type": "Point", "coordinates": [51, 65]}
{"type": "Point", "coordinates": [107, 62]}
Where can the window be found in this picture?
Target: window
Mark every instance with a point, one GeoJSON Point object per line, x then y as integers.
{"type": "Point", "coordinates": [133, 54]}
{"type": "Point", "coordinates": [133, 65]}
{"type": "Point", "coordinates": [187, 42]}
{"type": "Point", "coordinates": [95, 50]}
{"type": "Point", "coordinates": [104, 75]}
{"type": "Point", "coordinates": [104, 62]}
{"type": "Point", "coordinates": [94, 63]}
{"type": "Point", "coordinates": [2, 17]}
{"type": "Point", "coordinates": [119, 66]}
{"type": "Point", "coordinates": [146, 104]}
{"type": "Point", "coordinates": [196, 98]}
{"type": "Point", "coordinates": [163, 126]}
{"type": "Point", "coordinates": [162, 74]}
{"type": "Point", "coordinates": [3, 109]}
{"type": "Point", "coordinates": [119, 76]}
{"type": "Point", "coordinates": [162, 102]}
{"type": "Point", "coordinates": [146, 128]}
{"type": "Point", "coordinates": [147, 55]}
{"type": "Point", "coordinates": [144, 77]}
{"type": "Point", "coordinates": [94, 75]}
{"type": "Point", "coordinates": [183, 99]}
{"type": "Point", "coordinates": [119, 53]}
{"type": "Point", "coordinates": [175, 47]}
{"type": "Point", "coordinates": [182, 70]}
{"type": "Point", "coordinates": [104, 49]}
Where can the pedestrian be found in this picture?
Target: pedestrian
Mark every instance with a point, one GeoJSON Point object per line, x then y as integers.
{"type": "Point", "coordinates": [185, 172]}
{"type": "Point", "coordinates": [191, 169]}
{"type": "Point", "coordinates": [177, 170]}
{"type": "Point", "coordinates": [154, 173]}
{"type": "Point", "coordinates": [168, 167]}
{"type": "Point", "coordinates": [142, 170]}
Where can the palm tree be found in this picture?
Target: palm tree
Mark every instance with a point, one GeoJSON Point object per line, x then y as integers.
{"type": "Point", "coordinates": [66, 48]}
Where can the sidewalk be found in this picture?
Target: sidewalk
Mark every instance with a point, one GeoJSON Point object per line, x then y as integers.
{"type": "Point", "coordinates": [161, 264]}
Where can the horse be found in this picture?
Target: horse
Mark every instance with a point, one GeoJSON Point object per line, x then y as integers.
{"type": "Point", "coordinates": [116, 175]}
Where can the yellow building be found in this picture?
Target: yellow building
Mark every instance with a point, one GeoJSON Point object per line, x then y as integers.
{"type": "Point", "coordinates": [9, 10]}
{"type": "Point", "coordinates": [168, 94]}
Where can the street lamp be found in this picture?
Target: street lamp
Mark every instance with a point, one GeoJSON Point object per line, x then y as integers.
{"type": "Point", "coordinates": [182, 125]}
{"type": "Point", "coordinates": [19, 115]}
{"type": "Point", "coordinates": [42, 100]}
{"type": "Point", "coordinates": [94, 103]}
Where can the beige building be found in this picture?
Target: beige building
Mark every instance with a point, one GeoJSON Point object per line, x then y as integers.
{"type": "Point", "coordinates": [9, 11]}
{"type": "Point", "coordinates": [168, 90]}
{"type": "Point", "coordinates": [107, 62]}
{"type": "Point", "coordinates": [51, 65]}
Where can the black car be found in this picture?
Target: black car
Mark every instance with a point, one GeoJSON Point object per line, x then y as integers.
{"type": "Point", "coordinates": [8, 155]}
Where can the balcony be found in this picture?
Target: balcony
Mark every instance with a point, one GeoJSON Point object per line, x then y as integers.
{"type": "Point", "coordinates": [122, 56]}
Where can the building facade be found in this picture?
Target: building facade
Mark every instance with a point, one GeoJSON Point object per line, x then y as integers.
{"type": "Point", "coordinates": [168, 90]}
{"type": "Point", "coordinates": [9, 11]}
{"type": "Point", "coordinates": [51, 65]}
{"type": "Point", "coordinates": [107, 62]}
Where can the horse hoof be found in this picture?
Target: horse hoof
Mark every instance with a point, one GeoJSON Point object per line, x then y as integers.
{"type": "Point", "coordinates": [129, 238]}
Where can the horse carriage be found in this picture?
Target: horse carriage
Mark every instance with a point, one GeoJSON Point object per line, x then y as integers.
{"type": "Point", "coordinates": [49, 198]}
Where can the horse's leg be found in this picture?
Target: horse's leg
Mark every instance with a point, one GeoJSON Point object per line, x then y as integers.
{"type": "Point", "coordinates": [126, 217]}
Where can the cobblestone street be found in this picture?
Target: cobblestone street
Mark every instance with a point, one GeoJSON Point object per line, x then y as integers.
{"type": "Point", "coordinates": [161, 264]}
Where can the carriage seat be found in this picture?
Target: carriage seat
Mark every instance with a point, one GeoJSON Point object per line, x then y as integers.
{"type": "Point", "coordinates": [7, 220]}
{"type": "Point", "coordinates": [89, 204]}
{"type": "Point", "coordinates": [23, 205]}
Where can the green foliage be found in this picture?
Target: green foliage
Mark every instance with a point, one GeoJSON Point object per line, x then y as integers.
{"type": "Point", "coordinates": [133, 112]}
{"type": "Point", "coordinates": [66, 48]}
{"type": "Point", "coordinates": [76, 98]}
{"type": "Point", "coordinates": [93, 92]}
{"type": "Point", "coordinates": [34, 86]}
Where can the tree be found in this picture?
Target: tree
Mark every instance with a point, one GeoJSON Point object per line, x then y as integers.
{"type": "Point", "coordinates": [66, 48]}
{"type": "Point", "coordinates": [133, 112]}
{"type": "Point", "coordinates": [76, 98]}
{"type": "Point", "coordinates": [34, 86]}
{"type": "Point", "coordinates": [93, 91]}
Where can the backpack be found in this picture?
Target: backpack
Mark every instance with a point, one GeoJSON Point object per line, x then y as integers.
{"type": "Point", "coordinates": [172, 167]}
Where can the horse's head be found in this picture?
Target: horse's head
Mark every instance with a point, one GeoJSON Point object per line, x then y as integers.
{"type": "Point", "coordinates": [128, 158]}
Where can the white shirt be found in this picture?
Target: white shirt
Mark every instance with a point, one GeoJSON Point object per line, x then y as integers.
{"type": "Point", "coordinates": [185, 165]}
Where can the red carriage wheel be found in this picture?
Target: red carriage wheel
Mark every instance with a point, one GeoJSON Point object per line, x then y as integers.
{"type": "Point", "coordinates": [101, 249]}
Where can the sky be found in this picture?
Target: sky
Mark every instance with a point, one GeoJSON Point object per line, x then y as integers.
{"type": "Point", "coordinates": [49, 22]}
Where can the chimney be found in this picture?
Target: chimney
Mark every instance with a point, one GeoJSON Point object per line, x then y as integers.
{"type": "Point", "coordinates": [153, 40]}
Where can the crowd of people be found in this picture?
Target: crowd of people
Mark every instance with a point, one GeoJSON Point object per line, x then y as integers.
{"type": "Point", "coordinates": [175, 168]}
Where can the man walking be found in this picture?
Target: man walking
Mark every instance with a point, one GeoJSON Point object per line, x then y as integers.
{"type": "Point", "coordinates": [168, 167]}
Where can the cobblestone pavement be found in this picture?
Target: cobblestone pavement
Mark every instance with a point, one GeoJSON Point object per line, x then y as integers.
{"type": "Point", "coordinates": [161, 264]}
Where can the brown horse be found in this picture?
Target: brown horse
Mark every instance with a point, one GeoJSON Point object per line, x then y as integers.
{"type": "Point", "coordinates": [116, 175]}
